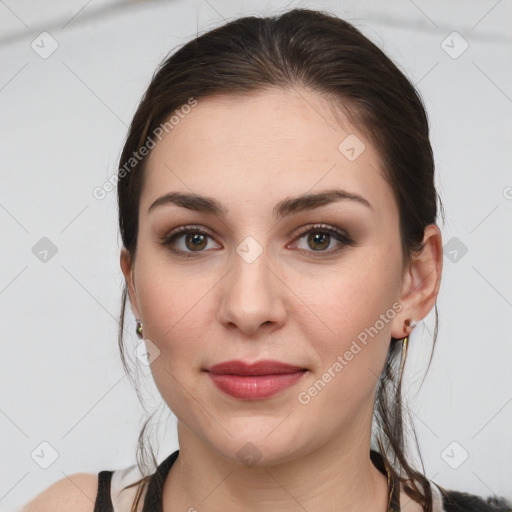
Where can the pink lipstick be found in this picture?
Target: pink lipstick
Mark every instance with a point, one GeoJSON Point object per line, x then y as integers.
{"type": "Point", "coordinates": [254, 381]}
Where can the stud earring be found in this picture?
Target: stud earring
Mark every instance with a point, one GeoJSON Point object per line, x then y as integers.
{"type": "Point", "coordinates": [138, 329]}
{"type": "Point", "coordinates": [410, 323]}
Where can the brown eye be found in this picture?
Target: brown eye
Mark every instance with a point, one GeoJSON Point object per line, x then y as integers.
{"type": "Point", "coordinates": [196, 241]}
{"type": "Point", "coordinates": [186, 240]}
{"type": "Point", "coordinates": [318, 240]}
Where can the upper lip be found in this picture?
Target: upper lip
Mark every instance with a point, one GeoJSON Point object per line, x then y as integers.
{"type": "Point", "coordinates": [266, 367]}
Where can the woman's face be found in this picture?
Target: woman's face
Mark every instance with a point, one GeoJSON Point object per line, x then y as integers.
{"type": "Point", "coordinates": [264, 283]}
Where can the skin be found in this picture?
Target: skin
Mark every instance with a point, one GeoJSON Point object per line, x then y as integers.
{"type": "Point", "coordinates": [293, 303]}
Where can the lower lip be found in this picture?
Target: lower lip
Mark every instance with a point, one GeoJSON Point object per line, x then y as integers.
{"type": "Point", "coordinates": [255, 387]}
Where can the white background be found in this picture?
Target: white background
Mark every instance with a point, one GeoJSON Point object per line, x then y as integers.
{"type": "Point", "coordinates": [63, 120]}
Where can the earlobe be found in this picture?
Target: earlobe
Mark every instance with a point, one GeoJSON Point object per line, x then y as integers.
{"type": "Point", "coordinates": [422, 281]}
{"type": "Point", "coordinates": [127, 269]}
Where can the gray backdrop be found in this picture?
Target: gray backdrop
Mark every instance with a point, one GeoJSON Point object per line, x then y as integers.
{"type": "Point", "coordinates": [71, 75]}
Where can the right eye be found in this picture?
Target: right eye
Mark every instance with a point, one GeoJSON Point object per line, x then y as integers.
{"type": "Point", "coordinates": [187, 240]}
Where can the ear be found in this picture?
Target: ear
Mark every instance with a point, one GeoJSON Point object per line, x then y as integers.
{"type": "Point", "coordinates": [421, 282]}
{"type": "Point", "coordinates": [127, 268]}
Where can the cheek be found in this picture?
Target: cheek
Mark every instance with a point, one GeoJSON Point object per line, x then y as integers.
{"type": "Point", "coordinates": [175, 314]}
{"type": "Point", "coordinates": [356, 309]}
{"type": "Point", "coordinates": [351, 356]}
{"type": "Point", "coordinates": [173, 305]}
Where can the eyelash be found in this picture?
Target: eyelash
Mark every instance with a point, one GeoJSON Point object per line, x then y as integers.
{"type": "Point", "coordinates": [339, 235]}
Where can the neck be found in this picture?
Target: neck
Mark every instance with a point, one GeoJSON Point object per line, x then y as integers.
{"type": "Point", "coordinates": [328, 479]}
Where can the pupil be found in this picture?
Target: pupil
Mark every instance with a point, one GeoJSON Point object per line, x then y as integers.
{"type": "Point", "coordinates": [319, 238]}
{"type": "Point", "coordinates": [197, 239]}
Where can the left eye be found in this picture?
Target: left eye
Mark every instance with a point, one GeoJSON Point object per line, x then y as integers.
{"type": "Point", "coordinates": [319, 239]}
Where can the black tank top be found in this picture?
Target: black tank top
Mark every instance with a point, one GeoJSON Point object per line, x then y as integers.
{"type": "Point", "coordinates": [153, 498]}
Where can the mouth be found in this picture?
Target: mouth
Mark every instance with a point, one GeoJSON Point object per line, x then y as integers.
{"type": "Point", "coordinates": [254, 381]}
{"type": "Point", "coordinates": [266, 367]}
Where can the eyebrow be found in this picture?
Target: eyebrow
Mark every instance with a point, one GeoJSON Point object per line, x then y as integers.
{"type": "Point", "coordinates": [283, 208]}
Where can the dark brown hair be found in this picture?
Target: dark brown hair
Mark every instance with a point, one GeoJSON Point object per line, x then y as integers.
{"type": "Point", "coordinates": [321, 53]}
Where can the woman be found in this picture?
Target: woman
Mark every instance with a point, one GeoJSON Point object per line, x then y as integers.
{"type": "Point", "coordinates": [278, 215]}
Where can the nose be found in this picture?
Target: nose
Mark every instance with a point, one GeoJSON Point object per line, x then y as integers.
{"type": "Point", "coordinates": [253, 296]}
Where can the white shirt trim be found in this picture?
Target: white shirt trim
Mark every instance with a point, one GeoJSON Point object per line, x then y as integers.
{"type": "Point", "coordinates": [122, 500]}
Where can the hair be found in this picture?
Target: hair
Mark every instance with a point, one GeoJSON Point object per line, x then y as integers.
{"type": "Point", "coordinates": [321, 53]}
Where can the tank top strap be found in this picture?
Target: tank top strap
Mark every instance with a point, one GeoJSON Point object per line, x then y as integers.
{"type": "Point", "coordinates": [153, 499]}
{"type": "Point", "coordinates": [114, 495]}
{"type": "Point", "coordinates": [103, 502]}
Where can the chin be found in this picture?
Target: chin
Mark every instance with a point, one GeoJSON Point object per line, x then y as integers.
{"type": "Point", "coordinates": [259, 448]}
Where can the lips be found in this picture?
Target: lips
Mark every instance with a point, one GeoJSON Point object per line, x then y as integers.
{"type": "Point", "coordinates": [254, 381]}
{"type": "Point", "coordinates": [266, 367]}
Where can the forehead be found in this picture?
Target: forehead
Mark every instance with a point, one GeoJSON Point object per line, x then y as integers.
{"type": "Point", "coordinates": [256, 146]}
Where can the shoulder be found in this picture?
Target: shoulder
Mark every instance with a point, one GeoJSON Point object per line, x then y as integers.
{"type": "Point", "coordinates": [75, 492]}
{"type": "Point", "coordinates": [458, 501]}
